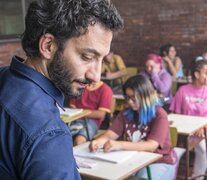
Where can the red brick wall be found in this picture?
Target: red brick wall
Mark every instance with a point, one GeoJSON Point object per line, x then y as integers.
{"type": "Point", "coordinates": [7, 50]}
{"type": "Point", "coordinates": [149, 24]}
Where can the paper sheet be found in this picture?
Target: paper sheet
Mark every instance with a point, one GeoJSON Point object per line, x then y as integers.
{"type": "Point", "coordinates": [70, 111]}
{"type": "Point", "coordinates": [113, 157]}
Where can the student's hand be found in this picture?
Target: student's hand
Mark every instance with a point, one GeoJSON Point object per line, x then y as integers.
{"type": "Point", "coordinates": [200, 133]}
{"type": "Point", "coordinates": [108, 74]}
{"type": "Point", "coordinates": [166, 59]}
{"type": "Point", "coordinates": [95, 145]}
{"type": "Point", "coordinates": [156, 69]}
{"type": "Point", "coordinates": [112, 145]}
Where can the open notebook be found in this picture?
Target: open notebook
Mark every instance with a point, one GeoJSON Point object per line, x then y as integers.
{"type": "Point", "coordinates": [70, 112]}
{"type": "Point", "coordinates": [113, 157]}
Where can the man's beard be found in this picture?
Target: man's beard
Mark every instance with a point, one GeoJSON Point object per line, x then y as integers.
{"type": "Point", "coordinates": [61, 76]}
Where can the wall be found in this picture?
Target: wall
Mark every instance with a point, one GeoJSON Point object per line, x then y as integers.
{"type": "Point", "coordinates": [7, 50]}
{"type": "Point", "coordinates": [149, 24]}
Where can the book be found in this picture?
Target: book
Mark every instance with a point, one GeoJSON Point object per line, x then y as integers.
{"type": "Point", "coordinates": [113, 156]}
{"type": "Point", "coordinates": [69, 111]}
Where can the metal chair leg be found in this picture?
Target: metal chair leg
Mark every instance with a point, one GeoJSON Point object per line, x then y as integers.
{"type": "Point", "coordinates": [149, 173]}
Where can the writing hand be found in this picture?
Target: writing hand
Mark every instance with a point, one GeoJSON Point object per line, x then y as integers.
{"type": "Point", "coordinates": [95, 145]}
{"type": "Point", "coordinates": [112, 145]}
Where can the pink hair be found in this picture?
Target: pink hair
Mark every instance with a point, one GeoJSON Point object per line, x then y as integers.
{"type": "Point", "coordinates": [154, 57]}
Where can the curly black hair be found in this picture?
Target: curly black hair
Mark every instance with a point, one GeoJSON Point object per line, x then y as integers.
{"type": "Point", "coordinates": [66, 19]}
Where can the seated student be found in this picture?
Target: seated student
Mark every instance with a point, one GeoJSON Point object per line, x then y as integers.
{"type": "Point", "coordinates": [144, 127]}
{"type": "Point", "coordinates": [172, 62]}
{"type": "Point", "coordinates": [114, 68]}
{"type": "Point", "coordinates": [97, 97]}
{"type": "Point", "coordinates": [204, 55]}
{"type": "Point", "coordinates": [159, 77]}
{"type": "Point", "coordinates": [191, 99]}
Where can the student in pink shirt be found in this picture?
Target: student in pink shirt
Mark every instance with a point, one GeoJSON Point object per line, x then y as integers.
{"type": "Point", "coordinates": [191, 99]}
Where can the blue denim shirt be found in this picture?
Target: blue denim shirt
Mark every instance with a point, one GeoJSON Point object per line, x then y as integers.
{"type": "Point", "coordinates": [34, 142]}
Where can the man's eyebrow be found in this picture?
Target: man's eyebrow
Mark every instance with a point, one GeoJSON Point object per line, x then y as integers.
{"type": "Point", "coordinates": [93, 51]}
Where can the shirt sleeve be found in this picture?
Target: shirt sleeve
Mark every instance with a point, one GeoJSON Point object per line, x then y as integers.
{"type": "Point", "coordinates": [176, 104]}
{"type": "Point", "coordinates": [50, 156]}
{"type": "Point", "coordinates": [160, 128]}
{"type": "Point", "coordinates": [162, 83]}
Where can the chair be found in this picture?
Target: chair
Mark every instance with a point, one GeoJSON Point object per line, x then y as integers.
{"type": "Point", "coordinates": [178, 150]}
{"type": "Point", "coordinates": [131, 71]}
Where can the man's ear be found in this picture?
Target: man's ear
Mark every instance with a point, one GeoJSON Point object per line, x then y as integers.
{"type": "Point", "coordinates": [47, 46]}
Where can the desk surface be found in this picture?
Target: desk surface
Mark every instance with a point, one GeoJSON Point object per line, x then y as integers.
{"type": "Point", "coordinates": [107, 170]}
{"type": "Point", "coordinates": [186, 124]}
{"type": "Point", "coordinates": [68, 119]}
{"type": "Point", "coordinates": [183, 80]}
{"type": "Point", "coordinates": [118, 96]}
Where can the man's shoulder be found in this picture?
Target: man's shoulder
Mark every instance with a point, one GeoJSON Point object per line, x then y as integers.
{"type": "Point", "coordinates": [30, 107]}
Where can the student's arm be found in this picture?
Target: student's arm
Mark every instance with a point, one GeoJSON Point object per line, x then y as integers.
{"type": "Point", "coordinates": [121, 68]}
{"type": "Point", "coordinates": [162, 83]}
{"type": "Point", "coordinates": [100, 141]}
{"type": "Point", "coordinates": [173, 68]}
{"type": "Point", "coordinates": [149, 145]}
{"type": "Point", "coordinates": [115, 75]}
{"type": "Point", "coordinates": [96, 114]}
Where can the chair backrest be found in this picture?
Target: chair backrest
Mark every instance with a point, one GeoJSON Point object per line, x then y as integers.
{"type": "Point", "coordinates": [131, 71]}
{"type": "Point", "coordinates": [174, 136]}
{"type": "Point", "coordinates": [179, 151]}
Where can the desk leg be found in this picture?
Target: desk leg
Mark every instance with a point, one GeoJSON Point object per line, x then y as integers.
{"type": "Point", "coordinates": [187, 158]}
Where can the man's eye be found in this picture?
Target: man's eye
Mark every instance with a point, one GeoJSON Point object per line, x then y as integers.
{"type": "Point", "coordinates": [87, 58]}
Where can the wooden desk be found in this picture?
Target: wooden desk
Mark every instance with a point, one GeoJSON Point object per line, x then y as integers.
{"type": "Point", "coordinates": [118, 96]}
{"type": "Point", "coordinates": [176, 83]}
{"type": "Point", "coordinates": [112, 171]}
{"type": "Point", "coordinates": [187, 126]}
{"type": "Point", "coordinates": [68, 119]}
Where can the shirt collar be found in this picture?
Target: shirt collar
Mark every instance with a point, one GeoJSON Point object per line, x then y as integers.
{"type": "Point", "coordinates": [43, 82]}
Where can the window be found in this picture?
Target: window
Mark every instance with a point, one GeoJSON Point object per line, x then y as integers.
{"type": "Point", "coordinates": [12, 14]}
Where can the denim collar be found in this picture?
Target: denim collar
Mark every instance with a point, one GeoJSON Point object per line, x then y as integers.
{"type": "Point", "coordinates": [43, 82]}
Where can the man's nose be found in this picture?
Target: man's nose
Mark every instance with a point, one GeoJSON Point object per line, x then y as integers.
{"type": "Point", "coordinates": [94, 72]}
